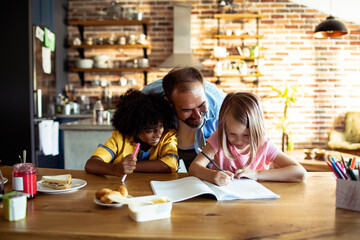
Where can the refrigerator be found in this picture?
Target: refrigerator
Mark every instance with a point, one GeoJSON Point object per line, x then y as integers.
{"type": "Point", "coordinates": [27, 97]}
{"type": "Point", "coordinates": [44, 96]}
{"type": "Point", "coordinates": [19, 82]}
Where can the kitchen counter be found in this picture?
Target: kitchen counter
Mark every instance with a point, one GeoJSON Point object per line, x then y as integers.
{"type": "Point", "coordinates": [87, 124]}
{"type": "Point", "coordinates": [81, 115]}
{"type": "Point", "coordinates": [81, 139]}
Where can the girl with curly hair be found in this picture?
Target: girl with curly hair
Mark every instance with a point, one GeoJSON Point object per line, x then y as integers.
{"type": "Point", "coordinates": [144, 119]}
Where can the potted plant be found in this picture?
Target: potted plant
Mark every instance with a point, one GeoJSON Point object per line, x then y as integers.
{"type": "Point", "coordinates": [288, 96]}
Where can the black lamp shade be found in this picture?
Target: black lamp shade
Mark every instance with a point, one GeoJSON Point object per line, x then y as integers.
{"type": "Point", "coordinates": [330, 28]}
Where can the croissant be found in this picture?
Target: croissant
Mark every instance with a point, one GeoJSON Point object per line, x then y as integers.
{"type": "Point", "coordinates": [122, 189]}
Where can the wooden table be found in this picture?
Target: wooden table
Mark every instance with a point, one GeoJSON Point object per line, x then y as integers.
{"type": "Point", "coordinates": [305, 210]}
{"type": "Point", "coordinates": [313, 165]}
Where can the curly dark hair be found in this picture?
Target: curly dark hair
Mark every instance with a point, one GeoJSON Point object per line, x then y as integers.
{"type": "Point", "coordinates": [137, 111]}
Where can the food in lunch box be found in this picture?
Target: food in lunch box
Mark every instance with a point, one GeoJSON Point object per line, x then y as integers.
{"type": "Point", "coordinates": [160, 200]}
{"type": "Point", "coordinates": [57, 181]}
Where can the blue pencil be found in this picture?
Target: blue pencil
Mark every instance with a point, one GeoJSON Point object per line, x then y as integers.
{"type": "Point", "coordinates": [338, 170]}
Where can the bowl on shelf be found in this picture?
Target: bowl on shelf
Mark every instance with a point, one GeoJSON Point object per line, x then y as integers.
{"type": "Point", "coordinates": [143, 62]}
{"type": "Point", "coordinates": [84, 63]}
{"type": "Point", "coordinates": [101, 65]}
{"type": "Point", "coordinates": [101, 58]}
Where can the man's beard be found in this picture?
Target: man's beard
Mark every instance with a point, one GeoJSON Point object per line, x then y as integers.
{"type": "Point", "coordinates": [190, 123]}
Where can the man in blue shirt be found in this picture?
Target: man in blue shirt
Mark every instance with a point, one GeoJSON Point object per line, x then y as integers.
{"type": "Point", "coordinates": [196, 104]}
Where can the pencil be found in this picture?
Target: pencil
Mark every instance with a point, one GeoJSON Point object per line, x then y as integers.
{"type": "Point", "coordinates": [344, 167]}
{"type": "Point", "coordinates": [341, 171]}
{"type": "Point", "coordinates": [337, 170]}
{"type": "Point", "coordinates": [336, 174]}
{"type": "Point", "coordinates": [212, 161]}
{"type": "Point", "coordinates": [134, 154]}
{"type": "Point", "coordinates": [353, 163]}
{"type": "Point", "coordinates": [352, 174]}
{"type": "Point", "coordinates": [349, 163]}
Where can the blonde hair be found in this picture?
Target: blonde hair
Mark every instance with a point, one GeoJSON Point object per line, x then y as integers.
{"type": "Point", "coordinates": [245, 108]}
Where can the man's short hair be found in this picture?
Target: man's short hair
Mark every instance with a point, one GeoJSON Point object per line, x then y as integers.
{"type": "Point", "coordinates": [181, 78]}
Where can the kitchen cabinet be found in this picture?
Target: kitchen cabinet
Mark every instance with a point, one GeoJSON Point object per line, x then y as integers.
{"type": "Point", "coordinates": [42, 13]}
{"type": "Point", "coordinates": [81, 138]}
{"type": "Point", "coordinates": [81, 25]}
{"type": "Point", "coordinates": [237, 51]}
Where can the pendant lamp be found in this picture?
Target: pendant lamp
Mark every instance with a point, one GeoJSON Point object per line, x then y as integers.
{"type": "Point", "coordinates": [330, 28]}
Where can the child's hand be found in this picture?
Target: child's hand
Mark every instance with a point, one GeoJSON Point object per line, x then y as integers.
{"type": "Point", "coordinates": [223, 178]}
{"type": "Point", "coordinates": [127, 165]}
{"type": "Point", "coordinates": [246, 173]}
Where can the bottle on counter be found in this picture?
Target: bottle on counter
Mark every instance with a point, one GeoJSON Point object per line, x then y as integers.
{"type": "Point", "coordinates": [98, 112]}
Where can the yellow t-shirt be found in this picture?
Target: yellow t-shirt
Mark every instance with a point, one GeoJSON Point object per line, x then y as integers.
{"type": "Point", "coordinates": [117, 147]}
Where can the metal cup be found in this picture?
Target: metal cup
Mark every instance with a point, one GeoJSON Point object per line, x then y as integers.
{"type": "Point", "coordinates": [76, 108]}
{"type": "Point", "coordinates": [139, 16]}
{"type": "Point", "coordinates": [67, 109]}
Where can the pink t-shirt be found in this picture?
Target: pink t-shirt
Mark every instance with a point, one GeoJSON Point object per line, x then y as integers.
{"type": "Point", "coordinates": [265, 154]}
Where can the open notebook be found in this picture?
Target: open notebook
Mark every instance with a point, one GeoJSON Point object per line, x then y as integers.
{"type": "Point", "coordinates": [189, 187]}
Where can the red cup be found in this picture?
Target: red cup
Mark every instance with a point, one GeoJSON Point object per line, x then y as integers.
{"type": "Point", "coordinates": [24, 179]}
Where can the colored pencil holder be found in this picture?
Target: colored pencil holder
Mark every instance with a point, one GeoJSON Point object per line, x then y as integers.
{"type": "Point", "coordinates": [348, 194]}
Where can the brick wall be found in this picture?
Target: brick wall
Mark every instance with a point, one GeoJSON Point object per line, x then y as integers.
{"type": "Point", "coordinates": [325, 71]}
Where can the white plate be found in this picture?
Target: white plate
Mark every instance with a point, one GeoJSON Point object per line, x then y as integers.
{"type": "Point", "coordinates": [76, 184]}
{"type": "Point", "coordinates": [98, 202]}
{"type": "Point", "coordinates": [5, 180]}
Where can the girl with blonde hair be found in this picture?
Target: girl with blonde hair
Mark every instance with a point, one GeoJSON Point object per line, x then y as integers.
{"type": "Point", "coordinates": [241, 149]}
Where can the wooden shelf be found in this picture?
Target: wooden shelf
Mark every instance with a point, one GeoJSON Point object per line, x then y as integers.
{"type": "Point", "coordinates": [82, 71]}
{"type": "Point", "coordinates": [238, 16]}
{"type": "Point", "coordinates": [97, 23]}
{"type": "Point", "coordinates": [127, 46]}
{"type": "Point", "coordinates": [223, 36]}
{"type": "Point", "coordinates": [89, 70]}
{"type": "Point", "coordinates": [238, 57]}
{"type": "Point", "coordinates": [223, 86]}
{"type": "Point", "coordinates": [122, 22]}
{"type": "Point", "coordinates": [243, 17]}
{"type": "Point", "coordinates": [239, 75]}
